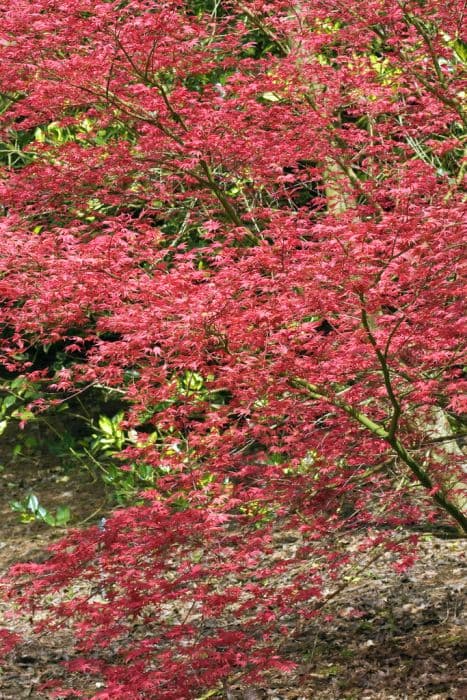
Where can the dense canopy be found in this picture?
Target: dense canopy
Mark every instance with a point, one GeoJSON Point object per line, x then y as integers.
{"type": "Point", "coordinates": [247, 217]}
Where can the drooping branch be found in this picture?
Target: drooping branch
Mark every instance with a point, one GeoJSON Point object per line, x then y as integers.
{"type": "Point", "coordinates": [379, 431]}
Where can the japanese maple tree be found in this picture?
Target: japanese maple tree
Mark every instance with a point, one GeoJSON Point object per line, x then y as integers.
{"type": "Point", "coordinates": [248, 217]}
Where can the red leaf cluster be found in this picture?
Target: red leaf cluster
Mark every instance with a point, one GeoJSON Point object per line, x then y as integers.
{"type": "Point", "coordinates": [250, 221]}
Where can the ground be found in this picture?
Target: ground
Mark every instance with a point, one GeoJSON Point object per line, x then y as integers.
{"type": "Point", "coordinates": [407, 642]}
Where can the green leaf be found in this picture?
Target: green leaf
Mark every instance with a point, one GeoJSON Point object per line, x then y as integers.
{"type": "Point", "coordinates": [49, 519]}
{"type": "Point", "coordinates": [23, 414]}
{"type": "Point", "coordinates": [39, 135]}
{"type": "Point", "coordinates": [63, 515]}
{"type": "Point", "coordinates": [18, 384]}
{"type": "Point", "coordinates": [8, 401]}
{"type": "Point", "coordinates": [460, 49]}
{"type": "Point", "coordinates": [270, 97]}
{"type": "Point", "coordinates": [33, 503]}
{"type": "Point", "coordinates": [105, 424]}
{"type": "Point", "coordinates": [17, 506]}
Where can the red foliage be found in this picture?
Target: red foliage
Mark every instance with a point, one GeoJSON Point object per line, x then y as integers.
{"type": "Point", "coordinates": [292, 236]}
